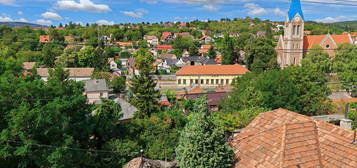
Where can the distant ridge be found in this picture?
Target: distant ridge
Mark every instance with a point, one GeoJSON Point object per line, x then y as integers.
{"type": "Point", "coordinates": [22, 24]}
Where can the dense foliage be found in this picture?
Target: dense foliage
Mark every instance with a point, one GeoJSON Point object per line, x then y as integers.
{"type": "Point", "coordinates": [201, 143]}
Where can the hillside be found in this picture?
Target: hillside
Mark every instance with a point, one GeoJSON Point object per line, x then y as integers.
{"type": "Point", "coordinates": [347, 25]}
{"type": "Point", "coordinates": [22, 24]}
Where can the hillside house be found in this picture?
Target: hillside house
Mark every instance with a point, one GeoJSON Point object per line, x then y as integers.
{"type": "Point", "coordinates": [166, 37]}
{"type": "Point", "coordinates": [95, 90]}
{"type": "Point", "coordinates": [152, 40]}
{"type": "Point", "coordinates": [76, 74]}
{"type": "Point", "coordinates": [198, 60]}
{"type": "Point", "coordinates": [206, 39]}
{"type": "Point", "coordinates": [45, 39]}
{"type": "Point", "coordinates": [208, 76]}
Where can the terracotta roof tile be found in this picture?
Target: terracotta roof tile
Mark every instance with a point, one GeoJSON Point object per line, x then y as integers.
{"type": "Point", "coordinates": [312, 40]}
{"type": "Point", "coordinates": [282, 138]}
{"type": "Point", "coordinates": [213, 70]}
{"type": "Point", "coordinates": [164, 47]}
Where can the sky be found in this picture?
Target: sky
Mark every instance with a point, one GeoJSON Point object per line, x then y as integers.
{"type": "Point", "coordinates": [108, 12]}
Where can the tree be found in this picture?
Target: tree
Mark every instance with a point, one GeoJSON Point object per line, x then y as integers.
{"type": "Point", "coordinates": [68, 58]}
{"type": "Point", "coordinates": [211, 53]}
{"type": "Point", "coordinates": [319, 58]}
{"type": "Point", "coordinates": [346, 67]}
{"type": "Point", "coordinates": [261, 55]}
{"type": "Point", "coordinates": [201, 144]}
{"type": "Point", "coordinates": [144, 60]}
{"type": "Point", "coordinates": [311, 84]}
{"type": "Point", "coordinates": [228, 51]}
{"type": "Point", "coordinates": [119, 84]}
{"type": "Point", "coordinates": [50, 52]}
{"type": "Point", "coordinates": [145, 96]}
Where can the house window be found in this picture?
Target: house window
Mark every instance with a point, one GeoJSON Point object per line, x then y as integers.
{"type": "Point", "coordinates": [191, 81]}
{"type": "Point", "coordinates": [184, 81]}
{"type": "Point", "coordinates": [101, 94]}
{"type": "Point", "coordinates": [227, 81]}
{"type": "Point", "coordinates": [207, 81]}
{"type": "Point", "coordinates": [196, 81]}
{"type": "Point", "coordinates": [217, 81]}
{"type": "Point", "coordinates": [202, 81]}
{"type": "Point", "coordinates": [179, 81]}
{"type": "Point", "coordinates": [212, 81]}
{"type": "Point", "coordinates": [222, 81]}
{"type": "Point", "coordinates": [294, 61]}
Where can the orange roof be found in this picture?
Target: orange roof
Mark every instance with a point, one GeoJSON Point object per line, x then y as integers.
{"type": "Point", "coordinates": [282, 139]}
{"type": "Point", "coordinates": [213, 70]}
{"type": "Point", "coordinates": [163, 47]}
{"type": "Point", "coordinates": [341, 39]}
{"type": "Point", "coordinates": [315, 40]}
{"type": "Point", "coordinates": [124, 43]}
{"type": "Point", "coordinates": [345, 100]}
{"type": "Point", "coordinates": [218, 59]}
{"type": "Point", "coordinates": [207, 46]}
{"type": "Point", "coordinates": [312, 40]}
{"type": "Point", "coordinates": [44, 39]}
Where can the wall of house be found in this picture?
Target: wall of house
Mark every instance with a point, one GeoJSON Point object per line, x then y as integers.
{"type": "Point", "coordinates": [205, 81]}
{"type": "Point", "coordinates": [95, 96]}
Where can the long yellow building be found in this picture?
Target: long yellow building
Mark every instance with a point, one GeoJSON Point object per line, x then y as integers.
{"type": "Point", "coordinates": [208, 76]}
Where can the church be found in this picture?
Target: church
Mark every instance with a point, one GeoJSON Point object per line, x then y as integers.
{"type": "Point", "coordinates": [294, 44]}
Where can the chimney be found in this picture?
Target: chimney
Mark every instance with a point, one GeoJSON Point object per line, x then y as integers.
{"type": "Point", "coordinates": [346, 123]}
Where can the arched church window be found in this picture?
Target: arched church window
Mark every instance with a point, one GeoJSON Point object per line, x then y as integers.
{"type": "Point", "coordinates": [294, 30]}
{"type": "Point", "coordinates": [298, 30]}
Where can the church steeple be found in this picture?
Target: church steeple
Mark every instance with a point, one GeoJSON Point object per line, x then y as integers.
{"type": "Point", "coordinates": [295, 8]}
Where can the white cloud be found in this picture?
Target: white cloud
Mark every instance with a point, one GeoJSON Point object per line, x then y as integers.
{"type": "Point", "coordinates": [279, 12]}
{"type": "Point", "coordinates": [210, 7]}
{"type": "Point", "coordinates": [104, 22]}
{"type": "Point", "coordinates": [44, 22]}
{"type": "Point", "coordinates": [255, 9]}
{"type": "Point", "coordinates": [82, 5]}
{"type": "Point", "coordinates": [331, 19]}
{"type": "Point", "coordinates": [51, 15]}
{"type": "Point", "coordinates": [5, 19]}
{"type": "Point", "coordinates": [139, 13]}
{"type": "Point", "coordinates": [7, 2]}
{"type": "Point", "coordinates": [20, 12]}
{"type": "Point", "coordinates": [22, 20]}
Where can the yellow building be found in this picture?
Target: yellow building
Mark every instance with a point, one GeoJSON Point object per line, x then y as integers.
{"type": "Point", "coordinates": [208, 76]}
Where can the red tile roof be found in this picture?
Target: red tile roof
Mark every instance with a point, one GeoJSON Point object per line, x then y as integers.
{"type": "Point", "coordinates": [164, 47]}
{"type": "Point", "coordinates": [166, 35]}
{"type": "Point", "coordinates": [128, 44]}
{"type": "Point", "coordinates": [213, 70]}
{"type": "Point", "coordinates": [341, 39]}
{"type": "Point", "coordinates": [312, 40]}
{"type": "Point", "coordinates": [282, 139]}
{"type": "Point", "coordinates": [44, 39]}
{"type": "Point", "coordinates": [315, 40]}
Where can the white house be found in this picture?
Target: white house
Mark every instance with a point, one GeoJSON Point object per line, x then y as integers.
{"type": "Point", "coordinates": [152, 40]}
{"type": "Point", "coordinates": [95, 90]}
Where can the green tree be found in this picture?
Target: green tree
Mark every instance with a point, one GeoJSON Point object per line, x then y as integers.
{"type": "Point", "coordinates": [118, 84]}
{"type": "Point", "coordinates": [145, 96]}
{"type": "Point", "coordinates": [201, 144]}
{"type": "Point", "coordinates": [50, 52]}
{"type": "Point", "coordinates": [319, 58]}
{"type": "Point", "coordinates": [260, 55]}
{"type": "Point", "coordinates": [211, 53]}
{"type": "Point", "coordinates": [228, 50]}
{"type": "Point", "coordinates": [346, 67]}
{"type": "Point", "coordinates": [144, 60]}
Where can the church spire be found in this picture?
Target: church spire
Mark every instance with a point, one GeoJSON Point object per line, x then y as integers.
{"type": "Point", "coordinates": [295, 8]}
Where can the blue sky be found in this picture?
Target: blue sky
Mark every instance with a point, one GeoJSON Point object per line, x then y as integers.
{"type": "Point", "coordinates": [123, 11]}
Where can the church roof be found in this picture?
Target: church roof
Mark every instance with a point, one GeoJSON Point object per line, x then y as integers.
{"type": "Point", "coordinates": [295, 8]}
{"type": "Point", "coordinates": [315, 40]}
